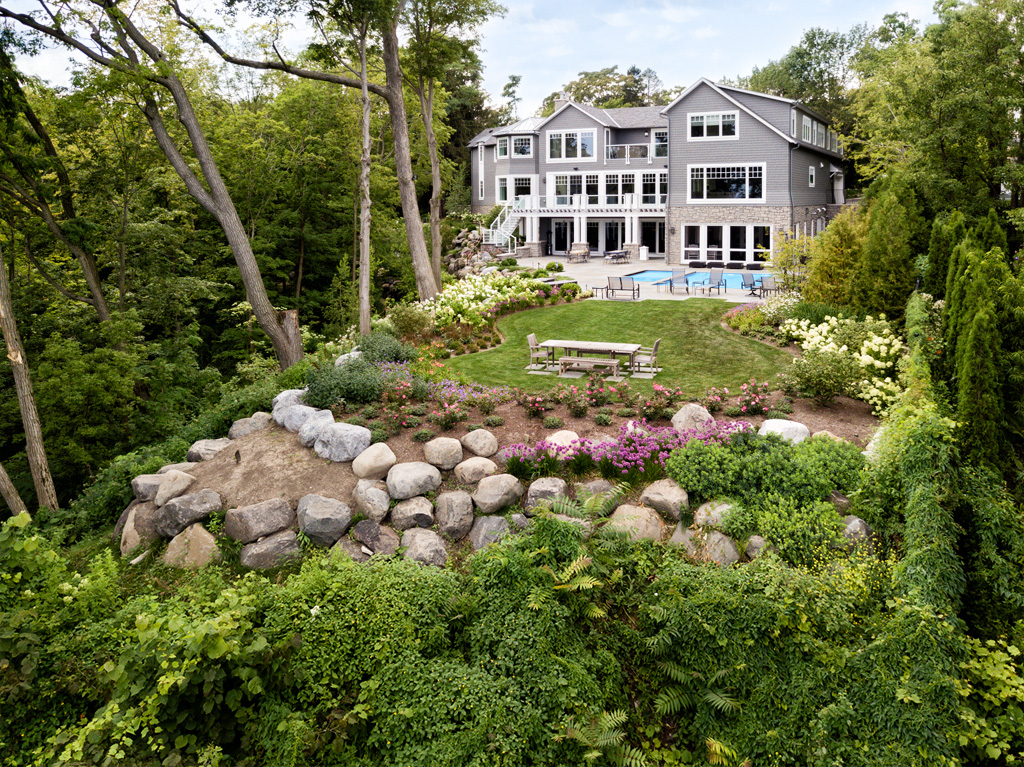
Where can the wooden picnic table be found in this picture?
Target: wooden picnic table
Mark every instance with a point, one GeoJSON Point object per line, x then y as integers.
{"type": "Point", "coordinates": [594, 347]}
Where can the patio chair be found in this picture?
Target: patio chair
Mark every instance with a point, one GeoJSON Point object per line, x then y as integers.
{"type": "Point", "coordinates": [678, 281]}
{"type": "Point", "coordinates": [748, 283]}
{"type": "Point", "coordinates": [768, 285]}
{"type": "Point", "coordinates": [539, 354]}
{"type": "Point", "coordinates": [647, 357]}
{"type": "Point", "coordinates": [715, 281]}
{"type": "Point", "coordinates": [579, 253]}
{"type": "Point", "coordinates": [626, 286]}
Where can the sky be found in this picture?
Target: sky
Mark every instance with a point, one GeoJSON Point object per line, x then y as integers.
{"type": "Point", "coordinates": [549, 43]}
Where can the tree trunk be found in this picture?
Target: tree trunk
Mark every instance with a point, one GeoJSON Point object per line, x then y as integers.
{"type": "Point", "coordinates": [46, 494]}
{"type": "Point", "coordinates": [427, 107]}
{"type": "Point", "coordinates": [364, 197]}
{"type": "Point", "coordinates": [425, 284]}
{"type": "Point", "coordinates": [10, 494]}
{"type": "Point", "coordinates": [302, 251]}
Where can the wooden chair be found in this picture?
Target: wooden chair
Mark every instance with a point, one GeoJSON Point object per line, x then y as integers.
{"type": "Point", "coordinates": [537, 353]}
{"type": "Point", "coordinates": [647, 357]}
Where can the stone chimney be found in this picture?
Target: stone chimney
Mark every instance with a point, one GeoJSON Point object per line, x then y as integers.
{"type": "Point", "coordinates": [562, 100]}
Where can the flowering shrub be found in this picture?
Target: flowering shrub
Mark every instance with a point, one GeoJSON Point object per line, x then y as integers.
{"type": "Point", "coordinates": [479, 299]}
{"type": "Point", "coordinates": [869, 344]}
{"type": "Point", "coordinates": [713, 398]}
{"type": "Point", "coordinates": [745, 317]}
{"type": "Point", "coordinates": [658, 402]}
{"type": "Point", "coordinates": [573, 397]}
{"type": "Point", "coordinates": [778, 308]}
{"type": "Point", "coordinates": [446, 415]}
{"type": "Point", "coordinates": [753, 398]}
{"type": "Point", "coordinates": [534, 405]}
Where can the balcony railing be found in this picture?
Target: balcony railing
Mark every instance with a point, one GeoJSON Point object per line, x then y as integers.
{"type": "Point", "coordinates": [629, 152]}
{"type": "Point", "coordinates": [584, 201]}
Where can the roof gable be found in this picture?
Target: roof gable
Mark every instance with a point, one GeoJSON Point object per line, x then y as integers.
{"type": "Point", "coordinates": [594, 113]}
{"type": "Point", "coordinates": [742, 107]}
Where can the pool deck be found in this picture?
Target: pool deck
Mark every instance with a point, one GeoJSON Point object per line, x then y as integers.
{"type": "Point", "coordinates": [595, 273]}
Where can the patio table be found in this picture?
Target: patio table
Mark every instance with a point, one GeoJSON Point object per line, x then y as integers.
{"type": "Point", "coordinates": [594, 347]}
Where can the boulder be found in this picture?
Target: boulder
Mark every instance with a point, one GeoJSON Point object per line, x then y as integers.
{"type": "Point", "coordinates": [178, 513]}
{"type": "Point", "coordinates": [192, 548]}
{"type": "Point", "coordinates": [346, 547]}
{"type": "Point", "coordinates": [243, 426]}
{"type": "Point", "coordinates": [377, 538]}
{"type": "Point", "coordinates": [638, 523]}
{"type": "Point", "coordinates": [711, 514]}
{"type": "Point", "coordinates": [287, 398]}
{"type": "Point", "coordinates": [602, 439]}
{"type": "Point", "coordinates": [145, 486]}
{"type": "Point", "coordinates": [487, 530]}
{"type": "Point", "coordinates": [341, 442]}
{"type": "Point", "coordinates": [496, 493]}
{"type": "Point", "coordinates": [412, 512]}
{"type": "Point", "coordinates": [756, 546]}
{"type": "Point", "coordinates": [293, 417]}
{"type": "Point", "coordinates": [840, 501]}
{"type": "Point", "coordinates": [593, 487]}
{"type": "Point", "coordinates": [688, 538]}
{"type": "Point", "coordinates": [443, 452]}
{"type": "Point", "coordinates": [310, 431]}
{"type": "Point", "coordinates": [424, 546]}
{"type": "Point", "coordinates": [274, 550]}
{"type": "Point", "coordinates": [519, 521]}
{"type": "Point", "coordinates": [791, 431]}
{"type": "Point", "coordinates": [472, 470]}
{"type": "Point", "coordinates": [691, 416]}
{"type": "Point", "coordinates": [454, 514]}
{"type": "Point", "coordinates": [826, 434]}
{"type": "Point", "coordinates": [562, 439]}
{"type": "Point", "coordinates": [545, 488]}
{"type": "Point", "coordinates": [344, 359]}
{"type": "Point", "coordinates": [323, 520]}
{"type": "Point", "coordinates": [666, 496]}
{"type": "Point", "coordinates": [185, 466]}
{"type": "Point", "coordinates": [875, 444]}
{"type": "Point", "coordinates": [374, 462]}
{"type": "Point", "coordinates": [407, 480]}
{"type": "Point", "coordinates": [857, 532]}
{"type": "Point", "coordinates": [480, 442]}
{"type": "Point", "coordinates": [501, 457]}
{"type": "Point", "coordinates": [205, 449]}
{"type": "Point", "coordinates": [371, 498]}
{"type": "Point", "coordinates": [250, 523]}
{"type": "Point", "coordinates": [139, 527]}
{"type": "Point", "coordinates": [721, 549]}
{"type": "Point", "coordinates": [175, 483]}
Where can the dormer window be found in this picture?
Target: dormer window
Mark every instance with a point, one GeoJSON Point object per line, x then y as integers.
{"type": "Point", "coordinates": [709, 126]}
{"type": "Point", "coordinates": [501, 150]}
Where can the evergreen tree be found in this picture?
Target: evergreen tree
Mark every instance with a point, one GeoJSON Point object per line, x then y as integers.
{"type": "Point", "coordinates": [885, 274]}
{"type": "Point", "coordinates": [946, 235]}
{"type": "Point", "coordinates": [990, 234]}
{"type": "Point", "coordinates": [834, 257]}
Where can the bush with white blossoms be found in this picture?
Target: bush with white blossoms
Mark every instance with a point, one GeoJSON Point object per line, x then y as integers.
{"type": "Point", "coordinates": [468, 301]}
{"type": "Point", "coordinates": [779, 307]}
{"type": "Point", "coordinates": [870, 342]}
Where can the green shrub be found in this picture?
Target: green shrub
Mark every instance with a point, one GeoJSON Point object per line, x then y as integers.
{"type": "Point", "coordinates": [801, 533]}
{"type": "Point", "coordinates": [356, 421]}
{"type": "Point", "coordinates": [379, 346]}
{"type": "Point", "coordinates": [494, 421]}
{"type": "Point", "coordinates": [823, 375]}
{"type": "Point", "coordinates": [704, 471]}
{"type": "Point", "coordinates": [355, 382]}
{"type": "Point", "coordinates": [552, 422]}
{"type": "Point", "coordinates": [732, 411]}
{"type": "Point", "coordinates": [378, 434]}
{"type": "Point", "coordinates": [508, 262]}
{"type": "Point", "coordinates": [602, 419]}
{"type": "Point", "coordinates": [410, 320]}
{"type": "Point", "coordinates": [423, 435]}
{"type": "Point", "coordinates": [555, 266]}
{"type": "Point", "coordinates": [626, 412]}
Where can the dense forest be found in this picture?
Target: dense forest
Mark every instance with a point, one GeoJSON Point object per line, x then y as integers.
{"type": "Point", "coordinates": [192, 226]}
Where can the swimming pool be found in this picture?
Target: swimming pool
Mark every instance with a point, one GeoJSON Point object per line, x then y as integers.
{"type": "Point", "coordinates": [732, 280]}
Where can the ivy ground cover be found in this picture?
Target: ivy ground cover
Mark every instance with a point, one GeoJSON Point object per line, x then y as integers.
{"type": "Point", "coordinates": [696, 351]}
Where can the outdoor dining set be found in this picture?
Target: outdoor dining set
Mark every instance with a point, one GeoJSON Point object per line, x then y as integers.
{"type": "Point", "coordinates": [581, 357]}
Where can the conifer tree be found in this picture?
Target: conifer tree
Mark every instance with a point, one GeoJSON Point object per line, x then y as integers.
{"type": "Point", "coordinates": [885, 274]}
{"type": "Point", "coordinates": [946, 235]}
{"type": "Point", "coordinates": [989, 233]}
{"type": "Point", "coordinates": [834, 257]}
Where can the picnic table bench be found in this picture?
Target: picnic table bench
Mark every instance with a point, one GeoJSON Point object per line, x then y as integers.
{"type": "Point", "coordinates": [587, 364]}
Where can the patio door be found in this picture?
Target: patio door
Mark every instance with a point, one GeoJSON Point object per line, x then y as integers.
{"type": "Point", "coordinates": [613, 234]}
{"type": "Point", "coordinates": [652, 234]}
{"type": "Point", "coordinates": [594, 236]}
{"type": "Point", "coordinates": [563, 237]}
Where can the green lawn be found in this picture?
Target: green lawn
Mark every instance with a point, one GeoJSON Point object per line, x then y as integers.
{"type": "Point", "coordinates": [695, 352]}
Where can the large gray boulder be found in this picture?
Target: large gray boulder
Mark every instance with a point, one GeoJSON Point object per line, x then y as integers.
{"type": "Point", "coordinates": [351, 356]}
{"type": "Point", "coordinates": [721, 549]}
{"type": "Point", "coordinates": [139, 527]}
{"type": "Point", "coordinates": [205, 449]}
{"type": "Point", "coordinates": [412, 512]}
{"type": "Point", "coordinates": [249, 523]}
{"type": "Point", "coordinates": [472, 470]}
{"type": "Point", "coordinates": [293, 417]}
{"type": "Point", "coordinates": [424, 546]}
{"type": "Point", "coordinates": [341, 442]}
{"type": "Point", "coordinates": [666, 496]}
{"type": "Point", "coordinates": [185, 466]}
{"type": "Point", "coordinates": [178, 513]}
{"type": "Point", "coordinates": [378, 538]}
{"type": "Point", "coordinates": [712, 514]}
{"type": "Point", "coordinates": [145, 486]}
{"type": "Point", "coordinates": [691, 416]}
{"type": "Point", "coordinates": [443, 452]}
{"type": "Point", "coordinates": [407, 480]}
{"type": "Point", "coordinates": [495, 493]}
{"type": "Point", "coordinates": [454, 514]}
{"type": "Point", "coordinates": [487, 530]}
{"type": "Point", "coordinates": [311, 430]}
{"type": "Point", "coordinates": [638, 522]}
{"type": "Point", "coordinates": [545, 489]}
{"type": "Point", "coordinates": [272, 551]}
{"type": "Point", "coordinates": [480, 442]}
{"type": "Point", "coordinates": [371, 499]}
{"type": "Point", "coordinates": [175, 483]}
{"type": "Point", "coordinates": [375, 462]}
{"type": "Point", "coordinates": [354, 550]}
{"type": "Point", "coordinates": [756, 546]}
{"type": "Point", "coordinates": [688, 538]}
{"type": "Point", "coordinates": [323, 520]}
{"type": "Point", "coordinates": [287, 398]}
{"type": "Point", "coordinates": [244, 426]}
{"type": "Point", "coordinates": [791, 431]}
{"type": "Point", "coordinates": [192, 548]}
{"type": "Point", "coordinates": [857, 532]}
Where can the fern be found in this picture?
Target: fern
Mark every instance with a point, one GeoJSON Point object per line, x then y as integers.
{"type": "Point", "coordinates": [603, 736]}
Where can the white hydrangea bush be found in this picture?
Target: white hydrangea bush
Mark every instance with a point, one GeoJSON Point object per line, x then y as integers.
{"type": "Point", "coordinates": [470, 300]}
{"type": "Point", "coordinates": [778, 307]}
{"type": "Point", "coordinates": [870, 342]}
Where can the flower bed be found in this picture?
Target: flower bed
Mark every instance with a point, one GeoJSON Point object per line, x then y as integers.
{"type": "Point", "coordinates": [478, 300]}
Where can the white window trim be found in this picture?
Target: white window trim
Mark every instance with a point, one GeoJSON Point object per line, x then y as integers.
{"type": "Point", "coordinates": [562, 132]}
{"type": "Point", "coordinates": [497, 189]}
{"type": "Point", "coordinates": [521, 156]}
{"type": "Point", "coordinates": [480, 172]}
{"type": "Point", "coordinates": [719, 113]}
{"type": "Point", "coordinates": [810, 176]}
{"type": "Point", "coordinates": [764, 183]}
{"type": "Point", "coordinates": [792, 123]}
{"type": "Point", "coordinates": [498, 155]}
{"type": "Point", "coordinates": [806, 134]}
{"type": "Point", "coordinates": [749, 251]}
{"type": "Point", "coordinates": [654, 144]}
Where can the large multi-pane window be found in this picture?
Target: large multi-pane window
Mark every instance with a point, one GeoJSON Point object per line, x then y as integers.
{"type": "Point", "coordinates": [522, 146]}
{"type": "Point", "coordinates": [661, 143]}
{"type": "Point", "coordinates": [593, 190]}
{"type": "Point", "coordinates": [713, 125]}
{"type": "Point", "coordinates": [807, 129]}
{"type": "Point", "coordinates": [729, 242]}
{"type": "Point", "coordinates": [502, 189]}
{"type": "Point", "coordinates": [611, 189]}
{"type": "Point", "coordinates": [727, 182]}
{"type": "Point", "coordinates": [571, 145]}
{"type": "Point", "coordinates": [649, 188]}
{"type": "Point", "coordinates": [522, 186]}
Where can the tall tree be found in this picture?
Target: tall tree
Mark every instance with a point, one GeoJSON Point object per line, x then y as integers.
{"type": "Point", "coordinates": [947, 233]}
{"type": "Point", "coordinates": [834, 257]}
{"type": "Point", "coordinates": [116, 42]}
{"type": "Point", "coordinates": [510, 112]}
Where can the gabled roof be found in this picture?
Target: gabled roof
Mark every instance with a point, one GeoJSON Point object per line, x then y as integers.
{"type": "Point", "coordinates": [637, 117]}
{"type": "Point", "coordinates": [721, 92]}
{"type": "Point", "coordinates": [488, 136]}
{"type": "Point", "coordinates": [595, 112]}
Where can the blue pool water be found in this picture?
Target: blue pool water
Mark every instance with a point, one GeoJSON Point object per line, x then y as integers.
{"type": "Point", "coordinates": [732, 280]}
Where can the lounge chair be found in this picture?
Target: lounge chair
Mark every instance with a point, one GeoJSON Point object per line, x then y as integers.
{"type": "Point", "coordinates": [768, 285]}
{"type": "Point", "coordinates": [647, 357]}
{"type": "Point", "coordinates": [539, 354]}
{"type": "Point", "coordinates": [749, 284]}
{"type": "Point", "coordinates": [678, 281]}
{"type": "Point", "coordinates": [715, 281]}
{"type": "Point", "coordinates": [626, 286]}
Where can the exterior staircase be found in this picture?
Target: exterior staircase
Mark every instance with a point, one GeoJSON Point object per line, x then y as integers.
{"type": "Point", "coordinates": [502, 228]}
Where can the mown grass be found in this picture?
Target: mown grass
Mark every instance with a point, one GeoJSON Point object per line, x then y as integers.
{"type": "Point", "coordinates": [696, 351]}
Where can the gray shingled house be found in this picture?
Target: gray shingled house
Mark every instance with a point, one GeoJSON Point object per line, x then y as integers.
{"type": "Point", "coordinates": [713, 176]}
